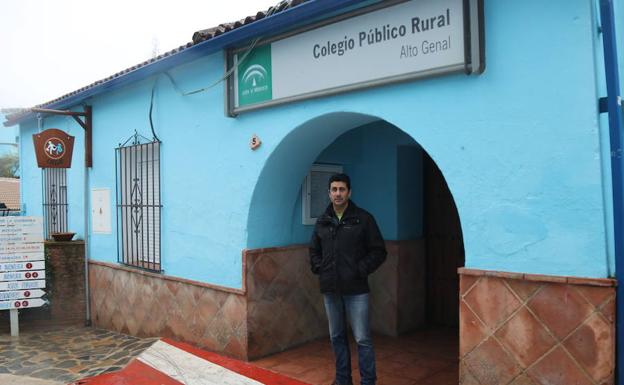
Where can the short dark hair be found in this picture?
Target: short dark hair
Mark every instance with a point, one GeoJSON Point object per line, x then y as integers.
{"type": "Point", "coordinates": [340, 178]}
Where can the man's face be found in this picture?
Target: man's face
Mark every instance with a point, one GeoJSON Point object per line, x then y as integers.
{"type": "Point", "coordinates": [339, 194]}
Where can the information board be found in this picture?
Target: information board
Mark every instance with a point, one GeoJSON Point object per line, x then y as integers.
{"type": "Point", "coordinates": [22, 263]}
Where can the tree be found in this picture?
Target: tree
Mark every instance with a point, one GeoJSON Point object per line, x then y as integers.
{"type": "Point", "coordinates": [9, 165]}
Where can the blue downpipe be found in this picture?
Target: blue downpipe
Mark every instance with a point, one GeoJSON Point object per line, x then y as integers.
{"type": "Point", "coordinates": [615, 134]}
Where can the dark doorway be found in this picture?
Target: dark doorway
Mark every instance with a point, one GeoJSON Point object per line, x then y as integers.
{"type": "Point", "coordinates": [445, 248]}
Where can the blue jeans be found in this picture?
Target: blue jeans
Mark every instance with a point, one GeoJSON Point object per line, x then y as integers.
{"type": "Point", "coordinates": [339, 308]}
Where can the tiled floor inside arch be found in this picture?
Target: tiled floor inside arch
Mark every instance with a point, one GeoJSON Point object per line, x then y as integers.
{"type": "Point", "coordinates": [427, 357]}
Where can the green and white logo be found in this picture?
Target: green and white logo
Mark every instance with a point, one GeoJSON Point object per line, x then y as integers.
{"type": "Point", "coordinates": [254, 77]}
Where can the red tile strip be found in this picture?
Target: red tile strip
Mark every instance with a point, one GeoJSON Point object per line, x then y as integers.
{"type": "Point", "coordinates": [241, 367]}
{"type": "Point", "coordinates": [138, 373]}
{"type": "Point", "coordinates": [602, 282]}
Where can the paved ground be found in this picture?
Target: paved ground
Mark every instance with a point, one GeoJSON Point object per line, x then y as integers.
{"type": "Point", "coordinates": [58, 357]}
{"type": "Point", "coordinates": [66, 355]}
{"type": "Point", "coordinates": [24, 380]}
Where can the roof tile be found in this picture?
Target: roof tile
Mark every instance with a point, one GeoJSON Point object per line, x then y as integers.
{"type": "Point", "coordinates": [9, 192]}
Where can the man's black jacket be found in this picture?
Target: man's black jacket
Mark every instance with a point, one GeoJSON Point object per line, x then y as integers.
{"type": "Point", "coordinates": [343, 253]}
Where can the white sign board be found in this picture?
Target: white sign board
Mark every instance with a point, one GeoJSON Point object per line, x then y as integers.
{"type": "Point", "coordinates": [19, 294]}
{"type": "Point", "coordinates": [21, 257]}
{"type": "Point", "coordinates": [14, 266]}
{"type": "Point", "coordinates": [21, 304]}
{"type": "Point", "coordinates": [22, 266]}
{"type": "Point", "coordinates": [19, 285]}
{"type": "Point", "coordinates": [21, 275]}
{"type": "Point", "coordinates": [399, 42]}
{"type": "Point", "coordinates": [7, 247]}
{"type": "Point", "coordinates": [101, 211]}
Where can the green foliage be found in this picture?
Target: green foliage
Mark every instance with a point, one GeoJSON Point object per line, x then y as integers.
{"type": "Point", "coordinates": [9, 165]}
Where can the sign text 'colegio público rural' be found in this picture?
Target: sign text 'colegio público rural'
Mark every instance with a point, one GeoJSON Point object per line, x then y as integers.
{"type": "Point", "coordinates": [370, 47]}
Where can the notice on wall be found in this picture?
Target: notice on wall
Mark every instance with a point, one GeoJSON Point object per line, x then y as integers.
{"type": "Point", "coordinates": [22, 262]}
{"type": "Point", "coordinates": [395, 43]}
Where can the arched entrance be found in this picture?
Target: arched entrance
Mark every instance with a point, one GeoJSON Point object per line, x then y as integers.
{"type": "Point", "coordinates": [414, 295]}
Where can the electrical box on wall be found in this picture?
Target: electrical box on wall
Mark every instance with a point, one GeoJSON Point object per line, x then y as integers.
{"type": "Point", "coordinates": [100, 211]}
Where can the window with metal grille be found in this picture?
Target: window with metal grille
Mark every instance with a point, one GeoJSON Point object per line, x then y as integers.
{"type": "Point", "coordinates": [138, 203]}
{"type": "Point", "coordinates": [55, 205]}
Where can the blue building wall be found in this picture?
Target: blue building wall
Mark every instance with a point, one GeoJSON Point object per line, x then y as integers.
{"type": "Point", "coordinates": [520, 148]}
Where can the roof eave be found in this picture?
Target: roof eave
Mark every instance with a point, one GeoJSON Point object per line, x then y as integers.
{"type": "Point", "coordinates": [267, 26]}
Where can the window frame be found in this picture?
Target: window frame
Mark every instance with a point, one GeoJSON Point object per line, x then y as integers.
{"type": "Point", "coordinates": [307, 190]}
{"type": "Point", "coordinates": [138, 204]}
{"type": "Point", "coordinates": [54, 201]}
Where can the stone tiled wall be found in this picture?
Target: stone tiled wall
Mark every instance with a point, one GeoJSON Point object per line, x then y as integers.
{"type": "Point", "coordinates": [285, 307]}
{"type": "Point", "coordinates": [526, 329]}
{"type": "Point", "coordinates": [66, 291]}
{"type": "Point", "coordinates": [148, 305]}
{"type": "Point", "coordinates": [279, 307]}
{"type": "Point", "coordinates": [398, 289]}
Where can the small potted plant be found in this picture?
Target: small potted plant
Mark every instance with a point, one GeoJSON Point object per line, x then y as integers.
{"type": "Point", "coordinates": [62, 236]}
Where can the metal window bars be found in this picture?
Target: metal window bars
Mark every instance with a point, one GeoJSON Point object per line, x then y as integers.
{"type": "Point", "coordinates": [137, 167]}
{"type": "Point", "coordinates": [55, 206]}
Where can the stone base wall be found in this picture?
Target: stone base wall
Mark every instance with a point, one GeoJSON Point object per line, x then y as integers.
{"type": "Point", "coordinates": [65, 290]}
{"type": "Point", "coordinates": [398, 289]}
{"type": "Point", "coordinates": [66, 266]}
{"type": "Point", "coordinates": [279, 307]}
{"type": "Point", "coordinates": [285, 307]}
{"type": "Point", "coordinates": [145, 304]}
{"type": "Point", "coordinates": [531, 329]}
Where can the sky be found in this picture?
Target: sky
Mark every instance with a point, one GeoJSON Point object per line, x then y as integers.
{"type": "Point", "coordinates": [51, 47]}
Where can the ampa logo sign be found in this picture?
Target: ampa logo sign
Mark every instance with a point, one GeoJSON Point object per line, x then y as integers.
{"type": "Point", "coordinates": [255, 83]}
{"type": "Point", "coordinates": [54, 148]}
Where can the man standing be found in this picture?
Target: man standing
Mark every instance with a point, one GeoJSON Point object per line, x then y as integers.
{"type": "Point", "coordinates": [346, 247]}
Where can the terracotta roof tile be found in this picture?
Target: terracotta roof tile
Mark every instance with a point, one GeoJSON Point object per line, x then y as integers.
{"type": "Point", "coordinates": [9, 192]}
